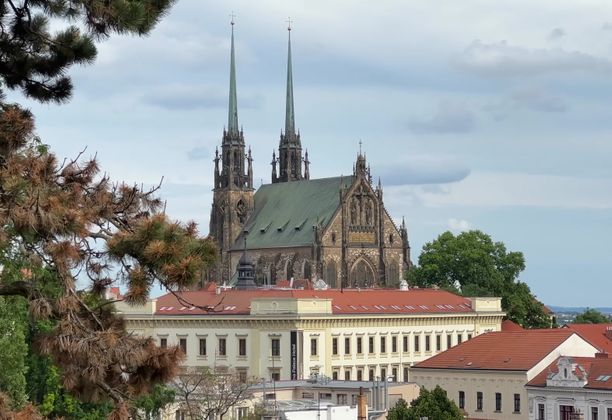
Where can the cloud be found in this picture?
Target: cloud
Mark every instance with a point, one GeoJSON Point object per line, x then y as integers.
{"type": "Point", "coordinates": [532, 99]}
{"type": "Point", "coordinates": [198, 153]}
{"type": "Point", "coordinates": [556, 34]}
{"type": "Point", "coordinates": [449, 117]}
{"type": "Point", "coordinates": [512, 189]}
{"type": "Point", "coordinates": [458, 225]}
{"type": "Point", "coordinates": [504, 60]}
{"type": "Point", "coordinates": [419, 170]}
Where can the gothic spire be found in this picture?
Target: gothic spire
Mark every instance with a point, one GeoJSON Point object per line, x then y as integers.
{"type": "Point", "coordinates": [289, 112]}
{"type": "Point", "coordinates": [232, 124]}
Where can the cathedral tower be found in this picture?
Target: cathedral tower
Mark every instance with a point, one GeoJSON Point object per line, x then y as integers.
{"type": "Point", "coordinates": [290, 147]}
{"type": "Point", "coordinates": [233, 179]}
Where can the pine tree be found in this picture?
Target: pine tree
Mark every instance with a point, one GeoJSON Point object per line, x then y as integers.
{"type": "Point", "coordinates": [66, 220]}
{"type": "Point", "coordinates": [35, 60]}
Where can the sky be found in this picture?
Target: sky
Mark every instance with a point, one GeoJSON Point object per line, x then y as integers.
{"type": "Point", "coordinates": [475, 115]}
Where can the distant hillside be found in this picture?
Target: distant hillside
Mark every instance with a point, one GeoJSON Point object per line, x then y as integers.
{"type": "Point", "coordinates": [577, 309]}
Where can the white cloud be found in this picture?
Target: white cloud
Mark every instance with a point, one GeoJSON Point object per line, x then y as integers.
{"type": "Point", "coordinates": [507, 189]}
{"type": "Point", "coordinates": [532, 99]}
{"type": "Point", "coordinates": [422, 169]}
{"type": "Point", "coordinates": [458, 225]}
{"type": "Point", "coordinates": [556, 34]}
{"type": "Point", "coordinates": [504, 60]}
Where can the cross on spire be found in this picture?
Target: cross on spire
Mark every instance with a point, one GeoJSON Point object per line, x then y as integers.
{"type": "Point", "coordinates": [359, 146]}
{"type": "Point", "coordinates": [232, 16]}
{"type": "Point", "coordinates": [289, 22]}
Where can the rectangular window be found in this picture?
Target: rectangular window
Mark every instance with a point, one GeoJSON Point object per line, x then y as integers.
{"type": "Point", "coordinates": [335, 375]}
{"type": "Point", "coordinates": [242, 413]}
{"type": "Point", "coordinates": [479, 401]}
{"type": "Point", "coordinates": [594, 413]}
{"type": "Point", "coordinates": [498, 401]}
{"type": "Point", "coordinates": [371, 375]}
{"type": "Point", "coordinates": [438, 342]}
{"type": "Point", "coordinates": [359, 374]}
{"type": "Point", "coordinates": [383, 344]}
{"type": "Point", "coordinates": [334, 346]}
{"type": "Point", "coordinates": [359, 345]}
{"type": "Point", "coordinates": [517, 403]}
{"type": "Point", "coordinates": [222, 347]}
{"type": "Point", "coordinates": [370, 345]}
{"type": "Point", "coordinates": [427, 343]}
{"type": "Point", "coordinates": [202, 347]}
{"type": "Point", "coordinates": [275, 347]}
{"type": "Point", "coordinates": [275, 376]}
{"type": "Point", "coordinates": [242, 376]}
{"type": "Point", "coordinates": [313, 346]}
{"type": "Point", "coordinates": [347, 345]}
{"type": "Point", "coordinates": [383, 374]}
{"type": "Point", "coordinates": [541, 415]}
{"type": "Point", "coordinates": [183, 344]}
{"type": "Point", "coordinates": [459, 338]}
{"type": "Point", "coordinates": [163, 343]}
{"type": "Point", "coordinates": [609, 414]}
{"type": "Point", "coordinates": [461, 399]}
{"type": "Point", "coordinates": [469, 337]}
{"type": "Point", "coordinates": [449, 341]}
{"type": "Point", "coordinates": [394, 374]}
{"type": "Point", "coordinates": [242, 351]}
{"type": "Point", "coordinates": [347, 375]}
{"type": "Point", "coordinates": [417, 343]}
{"type": "Point", "coordinates": [394, 344]}
{"type": "Point", "coordinates": [341, 398]}
{"type": "Point", "coordinates": [405, 374]}
{"type": "Point", "coordinates": [405, 343]}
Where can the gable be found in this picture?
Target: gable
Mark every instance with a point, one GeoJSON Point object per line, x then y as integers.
{"type": "Point", "coordinates": [285, 213]}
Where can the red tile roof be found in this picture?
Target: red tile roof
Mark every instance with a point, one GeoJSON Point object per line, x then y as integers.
{"type": "Point", "coordinates": [508, 325]}
{"type": "Point", "coordinates": [599, 335]}
{"type": "Point", "coordinates": [597, 369]}
{"type": "Point", "coordinates": [349, 301]}
{"type": "Point", "coordinates": [504, 350]}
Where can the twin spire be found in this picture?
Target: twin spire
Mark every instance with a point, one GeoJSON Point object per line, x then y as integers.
{"type": "Point", "coordinates": [290, 158]}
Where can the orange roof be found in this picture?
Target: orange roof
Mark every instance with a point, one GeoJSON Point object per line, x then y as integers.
{"type": "Point", "coordinates": [599, 335]}
{"type": "Point", "coordinates": [348, 301]}
{"type": "Point", "coordinates": [508, 325]}
{"type": "Point", "coordinates": [504, 350]}
{"type": "Point", "coordinates": [597, 369]}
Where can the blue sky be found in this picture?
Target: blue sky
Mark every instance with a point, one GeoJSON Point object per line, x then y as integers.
{"type": "Point", "coordinates": [475, 114]}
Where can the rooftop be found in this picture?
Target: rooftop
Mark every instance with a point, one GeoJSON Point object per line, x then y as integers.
{"type": "Point", "coordinates": [598, 371]}
{"type": "Point", "coordinates": [599, 335]}
{"type": "Point", "coordinates": [348, 301]}
{"type": "Point", "coordinates": [504, 350]}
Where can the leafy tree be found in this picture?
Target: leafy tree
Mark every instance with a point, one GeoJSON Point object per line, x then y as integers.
{"type": "Point", "coordinates": [148, 407]}
{"type": "Point", "coordinates": [65, 220]}
{"type": "Point", "coordinates": [472, 264]}
{"type": "Point", "coordinates": [592, 316]}
{"type": "Point", "coordinates": [13, 330]}
{"type": "Point", "coordinates": [35, 60]}
{"type": "Point", "coordinates": [431, 404]}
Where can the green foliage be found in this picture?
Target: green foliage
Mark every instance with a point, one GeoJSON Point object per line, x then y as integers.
{"type": "Point", "coordinates": [432, 404]}
{"type": "Point", "coordinates": [151, 404]}
{"type": "Point", "coordinates": [13, 329]}
{"type": "Point", "coordinates": [472, 264]}
{"type": "Point", "coordinates": [37, 50]}
{"type": "Point", "coordinates": [592, 316]}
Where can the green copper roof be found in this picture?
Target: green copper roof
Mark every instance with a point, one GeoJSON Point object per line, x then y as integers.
{"type": "Point", "coordinates": [232, 124]}
{"type": "Point", "coordinates": [285, 212]}
{"type": "Point", "coordinates": [289, 112]}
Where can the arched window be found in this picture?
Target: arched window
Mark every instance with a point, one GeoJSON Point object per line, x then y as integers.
{"type": "Point", "coordinates": [289, 269]}
{"type": "Point", "coordinates": [362, 275]}
{"type": "Point", "coordinates": [307, 270]}
{"type": "Point", "coordinates": [331, 274]}
{"type": "Point", "coordinates": [393, 276]}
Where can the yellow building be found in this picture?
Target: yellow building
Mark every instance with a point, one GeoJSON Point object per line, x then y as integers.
{"type": "Point", "coordinates": [284, 334]}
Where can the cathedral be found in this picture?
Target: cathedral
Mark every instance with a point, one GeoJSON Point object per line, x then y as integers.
{"type": "Point", "coordinates": [336, 229]}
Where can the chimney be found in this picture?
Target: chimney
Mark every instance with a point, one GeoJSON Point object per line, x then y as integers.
{"type": "Point", "coordinates": [362, 407]}
{"type": "Point", "coordinates": [608, 333]}
{"type": "Point", "coordinates": [601, 355]}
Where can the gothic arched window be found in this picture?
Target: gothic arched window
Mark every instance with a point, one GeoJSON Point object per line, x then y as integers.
{"type": "Point", "coordinates": [393, 273]}
{"type": "Point", "coordinates": [362, 275]}
{"type": "Point", "coordinates": [307, 270]}
{"type": "Point", "coordinates": [331, 274]}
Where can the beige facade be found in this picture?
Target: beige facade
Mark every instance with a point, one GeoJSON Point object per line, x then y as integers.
{"type": "Point", "coordinates": [495, 394]}
{"type": "Point", "coordinates": [291, 338]}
